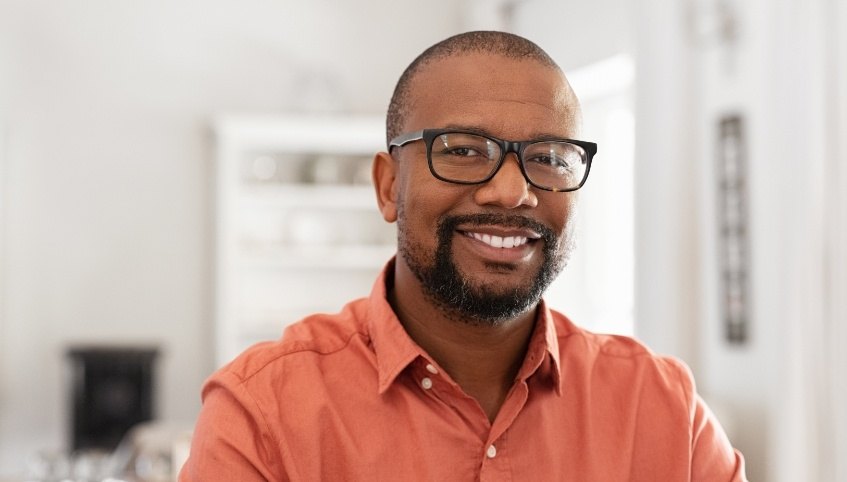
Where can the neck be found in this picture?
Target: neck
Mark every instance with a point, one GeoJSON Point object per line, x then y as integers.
{"type": "Point", "coordinates": [483, 359]}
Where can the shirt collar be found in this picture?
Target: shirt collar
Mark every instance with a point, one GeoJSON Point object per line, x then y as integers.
{"type": "Point", "coordinates": [544, 345]}
{"type": "Point", "coordinates": [395, 349]}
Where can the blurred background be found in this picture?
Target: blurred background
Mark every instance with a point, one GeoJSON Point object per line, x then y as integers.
{"type": "Point", "coordinates": [181, 179]}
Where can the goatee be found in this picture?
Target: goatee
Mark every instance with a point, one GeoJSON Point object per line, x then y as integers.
{"type": "Point", "coordinates": [480, 303]}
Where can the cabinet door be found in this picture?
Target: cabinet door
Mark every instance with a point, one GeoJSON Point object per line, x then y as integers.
{"type": "Point", "coordinates": [298, 229]}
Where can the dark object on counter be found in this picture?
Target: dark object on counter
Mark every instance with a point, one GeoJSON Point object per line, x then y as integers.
{"type": "Point", "coordinates": [111, 392]}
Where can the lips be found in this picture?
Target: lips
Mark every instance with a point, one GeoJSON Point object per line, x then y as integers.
{"type": "Point", "coordinates": [502, 240]}
{"type": "Point", "coordinates": [494, 237]}
{"type": "Point", "coordinates": [498, 241]}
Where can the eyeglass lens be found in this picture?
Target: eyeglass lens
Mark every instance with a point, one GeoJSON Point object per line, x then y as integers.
{"type": "Point", "coordinates": [472, 158]}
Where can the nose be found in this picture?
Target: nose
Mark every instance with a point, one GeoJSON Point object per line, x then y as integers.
{"type": "Point", "coordinates": [508, 188]}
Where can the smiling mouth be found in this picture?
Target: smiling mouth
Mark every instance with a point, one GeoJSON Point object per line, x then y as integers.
{"type": "Point", "coordinates": [499, 241]}
{"type": "Point", "coordinates": [497, 237]}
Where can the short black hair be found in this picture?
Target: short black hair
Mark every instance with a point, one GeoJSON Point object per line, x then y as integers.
{"type": "Point", "coordinates": [492, 42]}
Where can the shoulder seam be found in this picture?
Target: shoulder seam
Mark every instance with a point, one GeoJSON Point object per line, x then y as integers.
{"type": "Point", "coordinates": [643, 350]}
{"type": "Point", "coordinates": [685, 386]}
{"type": "Point", "coordinates": [298, 350]}
{"type": "Point", "coordinates": [274, 453]}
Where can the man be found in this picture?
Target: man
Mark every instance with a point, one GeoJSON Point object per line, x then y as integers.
{"type": "Point", "coordinates": [454, 368]}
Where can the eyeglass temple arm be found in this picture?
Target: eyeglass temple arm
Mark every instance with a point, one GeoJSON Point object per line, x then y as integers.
{"type": "Point", "coordinates": [404, 139]}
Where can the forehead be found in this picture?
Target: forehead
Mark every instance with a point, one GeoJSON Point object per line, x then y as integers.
{"type": "Point", "coordinates": [512, 98]}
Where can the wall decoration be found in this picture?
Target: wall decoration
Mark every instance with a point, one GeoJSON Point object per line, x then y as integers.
{"type": "Point", "coordinates": [733, 244]}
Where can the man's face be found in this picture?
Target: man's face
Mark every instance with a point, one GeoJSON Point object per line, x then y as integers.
{"type": "Point", "coordinates": [484, 253]}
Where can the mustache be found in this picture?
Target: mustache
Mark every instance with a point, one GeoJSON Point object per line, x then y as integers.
{"type": "Point", "coordinates": [449, 223]}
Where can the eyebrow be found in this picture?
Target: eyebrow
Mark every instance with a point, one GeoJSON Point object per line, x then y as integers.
{"type": "Point", "coordinates": [540, 136]}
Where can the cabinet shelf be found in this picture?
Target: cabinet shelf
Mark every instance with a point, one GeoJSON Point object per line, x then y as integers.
{"type": "Point", "coordinates": [333, 257]}
{"type": "Point", "coordinates": [297, 223]}
{"type": "Point", "coordinates": [317, 196]}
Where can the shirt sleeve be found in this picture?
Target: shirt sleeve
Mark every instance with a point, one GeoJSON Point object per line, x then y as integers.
{"type": "Point", "coordinates": [712, 456]}
{"type": "Point", "coordinates": [230, 441]}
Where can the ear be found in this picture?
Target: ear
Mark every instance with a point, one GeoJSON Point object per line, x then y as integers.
{"type": "Point", "coordinates": [385, 182]}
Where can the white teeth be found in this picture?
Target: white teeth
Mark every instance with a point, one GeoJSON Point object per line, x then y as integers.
{"type": "Point", "coordinates": [499, 241]}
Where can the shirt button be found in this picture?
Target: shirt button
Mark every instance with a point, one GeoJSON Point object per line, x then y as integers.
{"type": "Point", "coordinates": [491, 452]}
{"type": "Point", "coordinates": [426, 383]}
{"type": "Point", "coordinates": [431, 369]}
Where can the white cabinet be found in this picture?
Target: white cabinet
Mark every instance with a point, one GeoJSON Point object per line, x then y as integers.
{"type": "Point", "coordinates": [297, 225]}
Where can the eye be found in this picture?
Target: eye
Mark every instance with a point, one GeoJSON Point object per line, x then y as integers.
{"type": "Point", "coordinates": [553, 160]}
{"type": "Point", "coordinates": [462, 152]}
{"type": "Point", "coordinates": [459, 146]}
{"type": "Point", "coordinates": [556, 156]}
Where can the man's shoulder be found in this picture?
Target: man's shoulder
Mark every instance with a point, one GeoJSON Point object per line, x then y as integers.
{"type": "Point", "coordinates": [315, 336]}
{"type": "Point", "coordinates": [604, 344]}
{"type": "Point", "coordinates": [624, 353]}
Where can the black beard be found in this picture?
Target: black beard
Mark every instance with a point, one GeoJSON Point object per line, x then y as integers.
{"type": "Point", "coordinates": [479, 304]}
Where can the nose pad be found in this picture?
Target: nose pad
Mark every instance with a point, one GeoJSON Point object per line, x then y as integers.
{"type": "Point", "coordinates": [511, 169]}
{"type": "Point", "coordinates": [508, 188]}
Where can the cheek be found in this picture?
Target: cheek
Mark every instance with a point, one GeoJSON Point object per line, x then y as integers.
{"type": "Point", "coordinates": [571, 209]}
{"type": "Point", "coordinates": [419, 214]}
{"type": "Point", "coordinates": [564, 220]}
{"type": "Point", "coordinates": [424, 198]}
{"type": "Point", "coordinates": [416, 215]}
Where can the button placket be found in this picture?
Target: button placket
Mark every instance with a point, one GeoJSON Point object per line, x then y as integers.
{"type": "Point", "coordinates": [426, 383]}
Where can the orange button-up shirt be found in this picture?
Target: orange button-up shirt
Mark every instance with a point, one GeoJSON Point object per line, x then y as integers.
{"type": "Point", "coordinates": [350, 396]}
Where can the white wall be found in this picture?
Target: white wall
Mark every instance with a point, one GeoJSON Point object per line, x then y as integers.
{"type": "Point", "coordinates": [575, 33]}
{"type": "Point", "coordinates": [734, 80]}
{"type": "Point", "coordinates": [782, 75]}
{"type": "Point", "coordinates": [107, 229]}
{"type": "Point", "coordinates": [834, 417]}
{"type": "Point", "coordinates": [665, 191]}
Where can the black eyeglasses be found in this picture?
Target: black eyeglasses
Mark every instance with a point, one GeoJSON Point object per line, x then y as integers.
{"type": "Point", "coordinates": [466, 157]}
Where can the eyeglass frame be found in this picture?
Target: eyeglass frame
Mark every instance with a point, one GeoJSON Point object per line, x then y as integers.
{"type": "Point", "coordinates": [506, 146]}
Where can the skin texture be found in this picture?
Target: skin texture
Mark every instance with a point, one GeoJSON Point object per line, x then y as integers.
{"type": "Point", "coordinates": [512, 99]}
